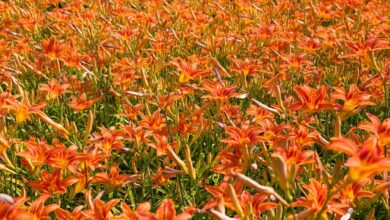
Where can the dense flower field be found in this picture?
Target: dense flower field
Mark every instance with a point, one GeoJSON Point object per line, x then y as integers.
{"type": "Point", "coordinates": [175, 109]}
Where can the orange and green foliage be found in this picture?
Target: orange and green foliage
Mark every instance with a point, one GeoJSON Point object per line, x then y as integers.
{"type": "Point", "coordinates": [194, 109]}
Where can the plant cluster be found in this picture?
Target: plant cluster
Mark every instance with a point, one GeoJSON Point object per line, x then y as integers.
{"type": "Point", "coordinates": [180, 109]}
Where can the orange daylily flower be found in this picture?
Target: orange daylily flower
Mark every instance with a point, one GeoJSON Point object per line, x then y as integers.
{"type": "Point", "coordinates": [229, 161]}
{"type": "Point", "coordinates": [245, 67]}
{"type": "Point", "coordinates": [162, 176]}
{"type": "Point", "coordinates": [310, 44]}
{"type": "Point", "coordinates": [295, 62]}
{"type": "Point", "coordinates": [242, 137]}
{"type": "Point", "coordinates": [380, 129]}
{"type": "Point", "coordinates": [165, 102]}
{"type": "Point", "coordinates": [124, 74]}
{"type": "Point", "coordinates": [81, 103]}
{"type": "Point", "coordinates": [188, 71]}
{"type": "Point", "coordinates": [132, 112]}
{"type": "Point", "coordinates": [255, 204]}
{"type": "Point", "coordinates": [53, 88]}
{"type": "Point", "coordinates": [259, 114]}
{"type": "Point", "coordinates": [114, 179]}
{"type": "Point", "coordinates": [167, 211]}
{"type": "Point", "coordinates": [83, 178]}
{"type": "Point", "coordinates": [52, 183]}
{"type": "Point", "coordinates": [62, 214]}
{"type": "Point", "coordinates": [74, 59]}
{"type": "Point", "coordinates": [23, 109]}
{"type": "Point", "coordinates": [365, 50]}
{"type": "Point", "coordinates": [312, 100]}
{"type": "Point", "coordinates": [39, 211]}
{"type": "Point", "coordinates": [142, 212]}
{"type": "Point", "coordinates": [219, 92]}
{"type": "Point", "coordinates": [108, 139]}
{"type": "Point", "coordinates": [161, 144]}
{"type": "Point", "coordinates": [352, 192]}
{"type": "Point", "coordinates": [365, 160]}
{"type": "Point", "coordinates": [301, 136]}
{"type": "Point", "coordinates": [98, 210]}
{"type": "Point", "coordinates": [155, 122]}
{"type": "Point", "coordinates": [64, 157]}
{"type": "Point", "coordinates": [315, 200]}
{"type": "Point", "coordinates": [136, 134]}
{"type": "Point", "coordinates": [295, 155]}
{"type": "Point", "coordinates": [36, 152]}
{"type": "Point", "coordinates": [287, 162]}
{"type": "Point", "coordinates": [93, 158]}
{"type": "Point", "coordinates": [125, 34]}
{"type": "Point", "coordinates": [52, 48]}
{"type": "Point", "coordinates": [12, 208]}
{"type": "Point", "coordinates": [263, 32]}
{"type": "Point", "coordinates": [272, 132]}
{"type": "Point", "coordinates": [221, 194]}
{"type": "Point", "coordinates": [353, 100]}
